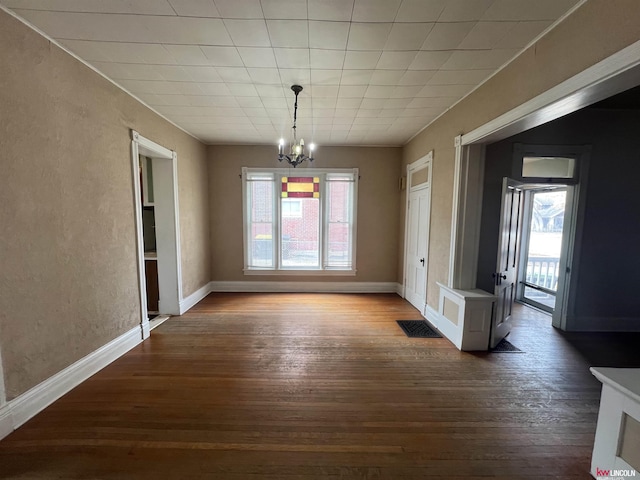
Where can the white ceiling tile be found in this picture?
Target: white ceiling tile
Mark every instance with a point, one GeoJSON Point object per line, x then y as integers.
{"type": "Point", "coordinates": [284, 9]}
{"type": "Point", "coordinates": [239, 9]}
{"type": "Point", "coordinates": [336, 10]}
{"type": "Point", "coordinates": [371, 112]}
{"type": "Point", "coordinates": [416, 77]}
{"type": "Point", "coordinates": [447, 36]}
{"type": "Point", "coordinates": [352, 91]}
{"type": "Point", "coordinates": [326, 59]}
{"type": "Point", "coordinates": [326, 90]}
{"type": "Point", "coordinates": [371, 104]}
{"type": "Point", "coordinates": [361, 60]}
{"type": "Point", "coordinates": [485, 35]}
{"type": "Point", "coordinates": [200, 74]}
{"type": "Point", "coordinates": [248, 33]}
{"type": "Point", "coordinates": [249, 102]}
{"type": "Point", "coordinates": [375, 10]}
{"type": "Point", "coordinates": [523, 34]}
{"type": "Point", "coordinates": [288, 33]}
{"type": "Point", "coordinates": [345, 102]}
{"type": "Point", "coordinates": [459, 77]}
{"type": "Point", "coordinates": [506, 10]}
{"type": "Point", "coordinates": [408, 91]}
{"type": "Point", "coordinates": [242, 91]}
{"type": "Point", "coordinates": [255, 111]}
{"type": "Point", "coordinates": [397, 103]}
{"type": "Point", "coordinates": [478, 59]}
{"type": "Point", "coordinates": [233, 74]}
{"type": "Point", "coordinates": [278, 108]}
{"type": "Point", "coordinates": [212, 101]}
{"type": "Point", "coordinates": [420, 10]}
{"type": "Point", "coordinates": [386, 77]}
{"type": "Point", "coordinates": [140, 7]}
{"type": "Point", "coordinates": [207, 88]}
{"type": "Point", "coordinates": [222, 56]}
{"type": "Point", "coordinates": [328, 35]}
{"type": "Point", "coordinates": [391, 112]}
{"type": "Point", "coordinates": [379, 91]}
{"type": "Point", "coordinates": [176, 73]}
{"type": "Point", "coordinates": [187, 54]}
{"type": "Point", "coordinates": [326, 77]}
{"type": "Point", "coordinates": [407, 36]}
{"type": "Point", "coordinates": [432, 102]}
{"type": "Point", "coordinates": [292, 57]}
{"type": "Point", "coordinates": [429, 60]}
{"type": "Point", "coordinates": [346, 113]}
{"type": "Point", "coordinates": [295, 76]}
{"type": "Point", "coordinates": [256, 120]}
{"type": "Point", "coordinates": [270, 91]}
{"type": "Point", "coordinates": [266, 76]}
{"type": "Point", "coordinates": [395, 60]}
{"type": "Point", "coordinates": [193, 8]}
{"type": "Point", "coordinates": [456, 91]}
{"type": "Point", "coordinates": [368, 36]}
{"type": "Point", "coordinates": [257, 56]}
{"type": "Point", "coordinates": [324, 102]}
{"type": "Point", "coordinates": [464, 10]}
{"type": "Point", "coordinates": [356, 77]}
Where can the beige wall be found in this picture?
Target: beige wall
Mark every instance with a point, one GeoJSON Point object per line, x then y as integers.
{"type": "Point", "coordinates": [68, 253]}
{"type": "Point", "coordinates": [378, 203]}
{"type": "Point", "coordinates": [595, 31]}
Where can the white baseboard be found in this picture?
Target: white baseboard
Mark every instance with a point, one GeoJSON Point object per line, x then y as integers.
{"type": "Point", "coordinates": [16, 412]}
{"type": "Point", "coordinates": [400, 289]}
{"type": "Point", "coordinates": [305, 287]}
{"type": "Point", "coordinates": [6, 423]}
{"type": "Point", "coordinates": [603, 324]}
{"type": "Point", "coordinates": [432, 315]}
{"type": "Point", "coordinates": [195, 297]}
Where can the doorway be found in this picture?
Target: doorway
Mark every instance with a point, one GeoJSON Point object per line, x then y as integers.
{"type": "Point", "coordinates": [542, 236]}
{"type": "Point", "coordinates": [418, 215]}
{"type": "Point", "coordinates": [166, 258]}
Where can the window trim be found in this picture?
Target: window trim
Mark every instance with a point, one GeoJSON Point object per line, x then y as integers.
{"type": "Point", "coordinates": [277, 269]}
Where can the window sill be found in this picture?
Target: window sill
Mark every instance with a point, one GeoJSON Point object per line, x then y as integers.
{"type": "Point", "coordinates": [308, 273]}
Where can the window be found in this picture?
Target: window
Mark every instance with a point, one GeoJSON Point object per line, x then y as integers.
{"type": "Point", "coordinates": [299, 222]}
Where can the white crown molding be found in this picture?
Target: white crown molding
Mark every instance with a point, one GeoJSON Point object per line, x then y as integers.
{"type": "Point", "coordinates": [16, 412]}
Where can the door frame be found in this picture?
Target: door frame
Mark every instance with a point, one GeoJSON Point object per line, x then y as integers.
{"type": "Point", "coordinates": [423, 162]}
{"type": "Point", "coordinates": [608, 77]}
{"type": "Point", "coordinates": [165, 186]}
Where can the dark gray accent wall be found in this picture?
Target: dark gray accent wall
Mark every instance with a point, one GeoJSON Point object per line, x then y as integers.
{"type": "Point", "coordinates": [608, 277]}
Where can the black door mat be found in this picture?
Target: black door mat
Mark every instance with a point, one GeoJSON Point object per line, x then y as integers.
{"type": "Point", "coordinates": [418, 329]}
{"type": "Point", "coordinates": [504, 346]}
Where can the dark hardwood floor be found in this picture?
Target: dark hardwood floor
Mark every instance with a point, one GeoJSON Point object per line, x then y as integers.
{"type": "Point", "coordinates": [301, 386]}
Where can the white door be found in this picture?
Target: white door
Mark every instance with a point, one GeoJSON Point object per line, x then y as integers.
{"type": "Point", "coordinates": [417, 243]}
{"type": "Point", "coordinates": [506, 274]}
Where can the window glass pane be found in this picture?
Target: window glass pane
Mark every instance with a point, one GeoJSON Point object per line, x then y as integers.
{"type": "Point", "coordinates": [261, 223]}
{"type": "Point", "coordinates": [548, 167]}
{"type": "Point", "coordinates": [300, 242]}
{"type": "Point", "coordinates": [339, 223]}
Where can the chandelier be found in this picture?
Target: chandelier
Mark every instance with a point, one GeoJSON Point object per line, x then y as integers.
{"type": "Point", "coordinates": [296, 154]}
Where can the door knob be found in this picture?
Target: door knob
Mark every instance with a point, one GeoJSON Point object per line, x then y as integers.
{"type": "Point", "coordinates": [422, 261]}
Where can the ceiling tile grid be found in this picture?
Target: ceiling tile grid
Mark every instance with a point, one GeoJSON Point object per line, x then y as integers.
{"type": "Point", "coordinates": [374, 72]}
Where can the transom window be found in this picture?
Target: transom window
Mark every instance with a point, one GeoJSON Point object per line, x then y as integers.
{"type": "Point", "coordinates": [299, 221]}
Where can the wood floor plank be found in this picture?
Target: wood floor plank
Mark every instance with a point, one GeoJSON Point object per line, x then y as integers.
{"type": "Point", "coordinates": [309, 386]}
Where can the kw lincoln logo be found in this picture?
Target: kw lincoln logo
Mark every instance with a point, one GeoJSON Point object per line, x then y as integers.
{"type": "Point", "coordinates": [606, 474]}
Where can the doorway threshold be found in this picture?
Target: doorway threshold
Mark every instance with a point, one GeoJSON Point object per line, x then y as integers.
{"type": "Point", "coordinates": [533, 307]}
{"type": "Point", "coordinates": [157, 321]}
